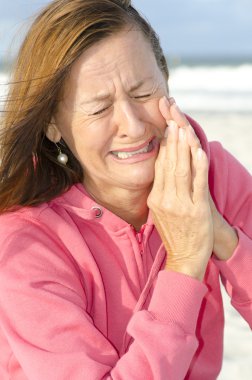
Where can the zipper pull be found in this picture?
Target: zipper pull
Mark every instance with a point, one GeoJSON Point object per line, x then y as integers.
{"type": "Point", "coordinates": [139, 237]}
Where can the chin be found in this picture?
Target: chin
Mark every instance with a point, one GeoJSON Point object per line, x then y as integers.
{"type": "Point", "coordinates": [140, 183]}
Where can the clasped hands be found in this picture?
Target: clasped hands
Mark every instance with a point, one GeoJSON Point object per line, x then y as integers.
{"type": "Point", "coordinates": [181, 205]}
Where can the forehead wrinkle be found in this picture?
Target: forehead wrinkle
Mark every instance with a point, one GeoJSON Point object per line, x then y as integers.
{"type": "Point", "coordinates": [139, 83]}
{"type": "Point", "coordinates": [100, 70]}
{"type": "Point", "coordinates": [107, 95]}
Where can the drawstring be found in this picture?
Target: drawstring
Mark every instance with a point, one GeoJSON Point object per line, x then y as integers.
{"type": "Point", "coordinates": [159, 259]}
{"type": "Point", "coordinates": [156, 267]}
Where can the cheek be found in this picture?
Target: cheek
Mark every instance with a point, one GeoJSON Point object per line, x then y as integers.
{"type": "Point", "coordinates": [91, 143]}
{"type": "Point", "coordinates": [82, 137]}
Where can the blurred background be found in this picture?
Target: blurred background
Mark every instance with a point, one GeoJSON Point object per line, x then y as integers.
{"type": "Point", "coordinates": [208, 45]}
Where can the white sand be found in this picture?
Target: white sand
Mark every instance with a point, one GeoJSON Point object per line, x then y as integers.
{"type": "Point", "coordinates": [237, 363]}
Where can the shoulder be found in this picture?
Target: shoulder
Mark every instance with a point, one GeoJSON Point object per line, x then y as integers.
{"type": "Point", "coordinates": [223, 165]}
{"type": "Point", "coordinates": [42, 217]}
{"type": "Point", "coordinates": [31, 245]}
{"type": "Point", "coordinates": [20, 219]}
{"type": "Point", "coordinates": [29, 229]}
{"type": "Point", "coordinates": [230, 183]}
{"type": "Point", "coordinates": [43, 233]}
{"type": "Point", "coordinates": [20, 229]}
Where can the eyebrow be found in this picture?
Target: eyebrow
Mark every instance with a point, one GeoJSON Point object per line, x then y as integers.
{"type": "Point", "coordinates": [105, 96]}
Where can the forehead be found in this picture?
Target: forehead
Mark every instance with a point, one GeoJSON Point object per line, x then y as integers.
{"type": "Point", "coordinates": [127, 55]}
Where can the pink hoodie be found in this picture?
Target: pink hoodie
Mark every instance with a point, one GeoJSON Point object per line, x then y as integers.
{"type": "Point", "coordinates": [85, 297]}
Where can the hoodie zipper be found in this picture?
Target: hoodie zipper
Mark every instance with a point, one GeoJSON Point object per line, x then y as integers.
{"type": "Point", "coordinates": [156, 267]}
{"type": "Point", "coordinates": [139, 237]}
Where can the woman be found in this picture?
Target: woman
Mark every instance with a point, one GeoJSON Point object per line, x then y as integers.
{"type": "Point", "coordinates": [111, 244]}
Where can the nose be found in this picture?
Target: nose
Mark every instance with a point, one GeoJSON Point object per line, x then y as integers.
{"type": "Point", "coordinates": [129, 119]}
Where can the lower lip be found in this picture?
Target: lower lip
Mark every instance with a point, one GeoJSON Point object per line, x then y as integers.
{"type": "Point", "coordinates": [140, 156]}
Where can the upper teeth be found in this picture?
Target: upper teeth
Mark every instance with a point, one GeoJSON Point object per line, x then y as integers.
{"type": "Point", "coordinates": [129, 154]}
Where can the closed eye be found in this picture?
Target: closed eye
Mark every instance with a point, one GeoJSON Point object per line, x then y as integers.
{"type": "Point", "coordinates": [101, 111]}
{"type": "Point", "coordinates": [142, 96]}
{"type": "Point", "coordinates": [136, 97]}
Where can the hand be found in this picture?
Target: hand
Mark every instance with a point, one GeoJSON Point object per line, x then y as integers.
{"type": "Point", "coordinates": [225, 236]}
{"type": "Point", "coordinates": [179, 200]}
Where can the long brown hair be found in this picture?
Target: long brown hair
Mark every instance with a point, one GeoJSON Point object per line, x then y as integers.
{"type": "Point", "coordinates": [30, 173]}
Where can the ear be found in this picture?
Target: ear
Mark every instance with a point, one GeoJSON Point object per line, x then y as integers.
{"type": "Point", "coordinates": [53, 133]}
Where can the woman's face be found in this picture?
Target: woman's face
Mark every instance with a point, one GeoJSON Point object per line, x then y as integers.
{"type": "Point", "coordinates": [110, 110]}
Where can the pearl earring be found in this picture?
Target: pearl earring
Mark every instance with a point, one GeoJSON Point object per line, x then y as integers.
{"type": "Point", "coordinates": [62, 157]}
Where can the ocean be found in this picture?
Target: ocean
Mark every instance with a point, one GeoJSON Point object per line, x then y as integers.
{"type": "Point", "coordinates": [219, 97]}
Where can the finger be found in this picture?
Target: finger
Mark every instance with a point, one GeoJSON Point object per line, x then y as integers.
{"type": "Point", "coordinates": [171, 159]}
{"type": "Point", "coordinates": [200, 182]}
{"type": "Point", "coordinates": [158, 183]}
{"type": "Point", "coordinates": [177, 115]}
{"type": "Point", "coordinates": [183, 167]}
{"type": "Point", "coordinates": [164, 107]}
{"type": "Point", "coordinates": [161, 162]}
{"type": "Point", "coordinates": [192, 138]}
{"type": "Point", "coordinates": [168, 155]}
{"type": "Point", "coordinates": [194, 143]}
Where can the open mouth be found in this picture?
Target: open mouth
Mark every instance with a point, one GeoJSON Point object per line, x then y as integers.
{"type": "Point", "coordinates": [123, 155]}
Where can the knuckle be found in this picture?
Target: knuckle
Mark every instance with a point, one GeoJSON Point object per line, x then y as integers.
{"type": "Point", "coordinates": [170, 207]}
{"type": "Point", "coordinates": [153, 203]}
{"type": "Point", "coordinates": [197, 143]}
{"type": "Point", "coordinates": [181, 172]}
{"type": "Point", "coordinates": [170, 165]}
{"type": "Point", "coordinates": [194, 136]}
{"type": "Point", "coordinates": [201, 212]}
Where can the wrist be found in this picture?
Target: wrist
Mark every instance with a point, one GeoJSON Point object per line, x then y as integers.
{"type": "Point", "coordinates": [188, 270]}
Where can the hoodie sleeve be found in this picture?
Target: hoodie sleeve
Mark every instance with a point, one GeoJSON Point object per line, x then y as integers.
{"type": "Point", "coordinates": [232, 191]}
{"type": "Point", "coordinates": [43, 315]}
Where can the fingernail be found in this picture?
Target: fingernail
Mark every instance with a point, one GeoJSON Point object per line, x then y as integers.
{"type": "Point", "coordinates": [199, 154]}
{"type": "Point", "coordinates": [172, 101]}
{"type": "Point", "coordinates": [172, 123]}
{"type": "Point", "coordinates": [174, 104]}
{"type": "Point", "coordinates": [167, 103]}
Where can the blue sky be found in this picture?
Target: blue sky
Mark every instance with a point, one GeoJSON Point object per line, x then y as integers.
{"type": "Point", "coordinates": [186, 27]}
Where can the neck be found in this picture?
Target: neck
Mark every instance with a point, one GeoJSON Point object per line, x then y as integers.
{"type": "Point", "coordinates": [129, 205]}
